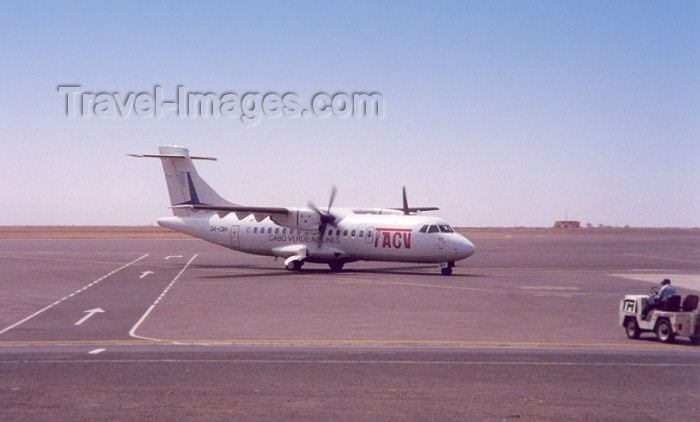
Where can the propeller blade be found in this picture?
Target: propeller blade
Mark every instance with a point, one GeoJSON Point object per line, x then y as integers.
{"type": "Point", "coordinates": [405, 202]}
{"type": "Point", "coordinates": [334, 190]}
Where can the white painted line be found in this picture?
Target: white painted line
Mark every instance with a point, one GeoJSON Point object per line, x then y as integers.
{"type": "Point", "coordinates": [548, 288]}
{"type": "Point", "coordinates": [96, 351]}
{"type": "Point", "coordinates": [145, 273]}
{"type": "Point", "coordinates": [136, 326]}
{"type": "Point", "coordinates": [172, 256]}
{"type": "Point", "coordinates": [688, 281]}
{"type": "Point", "coordinates": [90, 313]}
{"type": "Point", "coordinates": [373, 362]}
{"type": "Point", "coordinates": [71, 295]}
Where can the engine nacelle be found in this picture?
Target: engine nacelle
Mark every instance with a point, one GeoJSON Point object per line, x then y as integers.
{"type": "Point", "coordinates": [300, 218]}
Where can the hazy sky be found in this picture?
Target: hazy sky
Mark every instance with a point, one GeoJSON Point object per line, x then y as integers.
{"type": "Point", "coordinates": [501, 113]}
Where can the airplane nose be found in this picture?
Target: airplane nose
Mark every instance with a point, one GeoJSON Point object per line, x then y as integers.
{"type": "Point", "coordinates": [465, 248]}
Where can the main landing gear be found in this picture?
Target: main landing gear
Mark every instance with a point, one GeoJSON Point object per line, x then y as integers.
{"type": "Point", "coordinates": [336, 266]}
{"type": "Point", "coordinates": [294, 265]}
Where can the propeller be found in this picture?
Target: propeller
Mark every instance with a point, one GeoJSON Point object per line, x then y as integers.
{"type": "Point", "coordinates": [325, 216]}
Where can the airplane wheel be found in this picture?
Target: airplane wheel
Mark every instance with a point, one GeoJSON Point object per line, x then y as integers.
{"type": "Point", "coordinates": [336, 266]}
{"type": "Point", "coordinates": [294, 266]}
{"type": "Point", "coordinates": [447, 271]}
{"type": "Point", "coordinates": [664, 332]}
{"type": "Point", "coordinates": [632, 328]}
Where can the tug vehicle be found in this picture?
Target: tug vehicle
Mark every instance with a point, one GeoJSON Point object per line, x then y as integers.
{"type": "Point", "coordinates": [672, 319]}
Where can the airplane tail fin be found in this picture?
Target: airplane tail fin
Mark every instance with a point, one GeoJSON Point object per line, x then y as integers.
{"type": "Point", "coordinates": [185, 186]}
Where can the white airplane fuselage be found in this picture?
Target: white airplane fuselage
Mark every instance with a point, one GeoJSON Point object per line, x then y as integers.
{"type": "Point", "coordinates": [355, 237]}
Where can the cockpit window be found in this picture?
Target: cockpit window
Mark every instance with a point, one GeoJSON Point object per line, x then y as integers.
{"type": "Point", "coordinates": [424, 229]}
{"type": "Point", "coordinates": [445, 228]}
{"type": "Point", "coordinates": [433, 229]}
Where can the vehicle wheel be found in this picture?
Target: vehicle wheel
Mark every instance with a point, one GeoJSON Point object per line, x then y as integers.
{"type": "Point", "coordinates": [294, 265]}
{"type": "Point", "coordinates": [632, 328]}
{"type": "Point", "coordinates": [336, 266]}
{"type": "Point", "coordinates": [447, 271]}
{"type": "Point", "coordinates": [664, 332]}
{"type": "Point", "coordinates": [695, 341]}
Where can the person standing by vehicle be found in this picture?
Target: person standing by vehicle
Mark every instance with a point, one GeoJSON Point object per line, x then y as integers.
{"type": "Point", "coordinates": [667, 290]}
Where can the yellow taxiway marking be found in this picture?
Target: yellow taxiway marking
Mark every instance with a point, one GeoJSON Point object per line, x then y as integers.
{"type": "Point", "coordinates": [357, 343]}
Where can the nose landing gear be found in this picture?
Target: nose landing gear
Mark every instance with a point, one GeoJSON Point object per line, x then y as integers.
{"type": "Point", "coordinates": [446, 267]}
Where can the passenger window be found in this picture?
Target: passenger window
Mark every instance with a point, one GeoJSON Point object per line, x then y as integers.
{"type": "Point", "coordinates": [255, 230]}
{"type": "Point", "coordinates": [352, 233]}
{"type": "Point", "coordinates": [345, 233]}
{"type": "Point", "coordinates": [361, 233]}
{"type": "Point", "coordinates": [269, 230]}
{"type": "Point", "coordinates": [424, 229]}
{"type": "Point", "coordinates": [369, 233]}
{"type": "Point", "coordinates": [277, 230]}
{"type": "Point", "coordinates": [284, 231]}
{"type": "Point", "coordinates": [433, 229]}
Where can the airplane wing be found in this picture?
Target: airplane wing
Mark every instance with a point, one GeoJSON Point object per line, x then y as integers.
{"type": "Point", "coordinates": [407, 210]}
{"type": "Point", "coordinates": [249, 210]}
{"type": "Point", "coordinates": [260, 213]}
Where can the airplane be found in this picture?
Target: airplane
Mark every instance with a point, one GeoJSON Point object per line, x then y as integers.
{"type": "Point", "coordinates": [305, 234]}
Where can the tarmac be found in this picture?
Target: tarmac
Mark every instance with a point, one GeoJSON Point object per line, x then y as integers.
{"type": "Point", "coordinates": [157, 327]}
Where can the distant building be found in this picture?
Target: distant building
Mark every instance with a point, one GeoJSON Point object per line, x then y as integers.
{"type": "Point", "coordinates": [564, 224]}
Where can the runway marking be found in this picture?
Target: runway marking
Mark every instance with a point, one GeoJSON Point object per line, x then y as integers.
{"type": "Point", "coordinates": [548, 288]}
{"type": "Point", "coordinates": [66, 260]}
{"type": "Point", "coordinates": [639, 345]}
{"type": "Point", "coordinates": [90, 313]}
{"type": "Point", "coordinates": [145, 273]}
{"type": "Point", "coordinates": [688, 281]}
{"type": "Point", "coordinates": [437, 343]}
{"type": "Point", "coordinates": [132, 332]}
{"type": "Point", "coordinates": [663, 258]}
{"type": "Point", "coordinates": [63, 299]}
{"type": "Point", "coordinates": [642, 346]}
{"type": "Point", "coordinates": [359, 362]}
{"type": "Point", "coordinates": [96, 351]}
